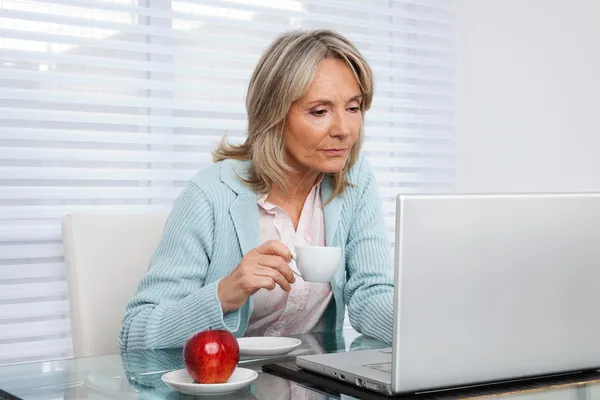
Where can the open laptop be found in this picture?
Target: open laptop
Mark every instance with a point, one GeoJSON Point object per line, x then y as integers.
{"type": "Point", "coordinates": [488, 288]}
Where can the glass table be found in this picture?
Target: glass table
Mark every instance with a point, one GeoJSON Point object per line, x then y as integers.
{"type": "Point", "coordinates": [137, 375]}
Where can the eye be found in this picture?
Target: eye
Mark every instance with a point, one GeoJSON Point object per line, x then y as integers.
{"type": "Point", "coordinates": [319, 113]}
{"type": "Point", "coordinates": [354, 109]}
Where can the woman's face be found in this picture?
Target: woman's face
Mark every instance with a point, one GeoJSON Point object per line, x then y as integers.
{"type": "Point", "coordinates": [323, 125]}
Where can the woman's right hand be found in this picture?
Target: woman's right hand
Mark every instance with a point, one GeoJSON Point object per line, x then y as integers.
{"type": "Point", "coordinates": [261, 268]}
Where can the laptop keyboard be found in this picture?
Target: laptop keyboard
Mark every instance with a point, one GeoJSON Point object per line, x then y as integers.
{"type": "Point", "coordinates": [383, 367]}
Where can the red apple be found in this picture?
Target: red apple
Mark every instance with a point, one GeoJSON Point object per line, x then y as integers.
{"type": "Point", "coordinates": [211, 356]}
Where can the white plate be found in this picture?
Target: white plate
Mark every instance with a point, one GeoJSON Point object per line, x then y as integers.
{"type": "Point", "coordinates": [267, 346]}
{"type": "Point", "coordinates": [182, 381]}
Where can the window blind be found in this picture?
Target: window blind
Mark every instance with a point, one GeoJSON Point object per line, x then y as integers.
{"type": "Point", "coordinates": [111, 106]}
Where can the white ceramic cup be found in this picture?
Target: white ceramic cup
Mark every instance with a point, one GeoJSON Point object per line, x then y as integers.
{"type": "Point", "coordinates": [317, 263]}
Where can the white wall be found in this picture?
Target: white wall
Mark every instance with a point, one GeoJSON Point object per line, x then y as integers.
{"type": "Point", "coordinates": [528, 90]}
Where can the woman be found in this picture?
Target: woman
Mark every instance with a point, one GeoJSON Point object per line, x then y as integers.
{"type": "Point", "coordinates": [224, 260]}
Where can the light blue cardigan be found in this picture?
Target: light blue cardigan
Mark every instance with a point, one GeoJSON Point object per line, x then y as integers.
{"type": "Point", "coordinates": [214, 222]}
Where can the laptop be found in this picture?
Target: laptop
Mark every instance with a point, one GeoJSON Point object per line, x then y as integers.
{"type": "Point", "coordinates": [489, 288]}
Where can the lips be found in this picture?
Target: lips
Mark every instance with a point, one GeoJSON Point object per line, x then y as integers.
{"type": "Point", "coordinates": [335, 152]}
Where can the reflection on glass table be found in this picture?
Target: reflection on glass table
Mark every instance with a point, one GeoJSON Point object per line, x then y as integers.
{"type": "Point", "coordinates": [137, 375]}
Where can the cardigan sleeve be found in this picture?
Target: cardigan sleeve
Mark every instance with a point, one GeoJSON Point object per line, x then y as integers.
{"type": "Point", "coordinates": [171, 301]}
{"type": "Point", "coordinates": [369, 289]}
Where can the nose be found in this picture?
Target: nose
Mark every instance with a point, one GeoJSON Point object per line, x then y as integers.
{"type": "Point", "coordinates": [341, 125]}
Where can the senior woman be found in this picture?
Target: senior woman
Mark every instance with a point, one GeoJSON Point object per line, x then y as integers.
{"type": "Point", "coordinates": [224, 259]}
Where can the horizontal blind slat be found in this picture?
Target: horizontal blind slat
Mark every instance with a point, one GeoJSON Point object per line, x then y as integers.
{"type": "Point", "coordinates": [433, 58]}
{"type": "Point", "coordinates": [33, 134]}
{"type": "Point", "coordinates": [275, 9]}
{"type": "Point", "coordinates": [176, 122]}
{"type": "Point", "coordinates": [393, 8]}
{"type": "Point", "coordinates": [155, 156]}
{"type": "Point", "coordinates": [32, 290]}
{"type": "Point", "coordinates": [178, 34]}
{"type": "Point", "coordinates": [27, 251]}
{"type": "Point", "coordinates": [26, 212]}
{"type": "Point", "coordinates": [43, 350]}
{"type": "Point", "coordinates": [101, 81]}
{"type": "Point", "coordinates": [20, 153]}
{"type": "Point", "coordinates": [35, 329]}
{"type": "Point", "coordinates": [442, 7]}
{"type": "Point", "coordinates": [47, 310]}
{"type": "Point", "coordinates": [87, 192]}
{"type": "Point", "coordinates": [51, 271]}
{"type": "Point", "coordinates": [180, 86]}
{"type": "Point", "coordinates": [117, 193]}
{"type": "Point", "coordinates": [52, 96]}
{"type": "Point", "coordinates": [375, 137]}
{"type": "Point", "coordinates": [9, 173]}
{"type": "Point", "coordinates": [376, 113]}
{"type": "Point", "coordinates": [93, 174]}
{"type": "Point", "coordinates": [119, 119]}
{"type": "Point", "coordinates": [31, 231]}
{"type": "Point", "coordinates": [64, 61]}
{"type": "Point", "coordinates": [188, 14]}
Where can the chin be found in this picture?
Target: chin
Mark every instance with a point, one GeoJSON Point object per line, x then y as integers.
{"type": "Point", "coordinates": [333, 166]}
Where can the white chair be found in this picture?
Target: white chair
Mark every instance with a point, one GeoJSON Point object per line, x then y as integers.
{"type": "Point", "coordinates": [106, 257]}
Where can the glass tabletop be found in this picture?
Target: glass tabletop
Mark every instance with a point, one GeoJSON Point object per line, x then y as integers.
{"type": "Point", "coordinates": [137, 375]}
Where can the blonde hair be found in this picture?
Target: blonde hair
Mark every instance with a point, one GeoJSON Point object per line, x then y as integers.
{"type": "Point", "coordinates": [282, 76]}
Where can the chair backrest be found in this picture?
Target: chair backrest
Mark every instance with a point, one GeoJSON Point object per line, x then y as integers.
{"type": "Point", "coordinates": [106, 257]}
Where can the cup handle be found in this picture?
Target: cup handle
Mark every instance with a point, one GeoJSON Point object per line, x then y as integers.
{"type": "Point", "coordinates": [294, 258]}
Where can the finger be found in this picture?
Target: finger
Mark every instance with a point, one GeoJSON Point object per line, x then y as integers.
{"type": "Point", "coordinates": [275, 275]}
{"type": "Point", "coordinates": [264, 282]}
{"type": "Point", "coordinates": [275, 247]}
{"type": "Point", "coordinates": [279, 264]}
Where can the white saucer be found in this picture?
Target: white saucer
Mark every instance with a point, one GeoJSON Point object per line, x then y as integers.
{"type": "Point", "coordinates": [267, 346]}
{"type": "Point", "coordinates": [182, 381]}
